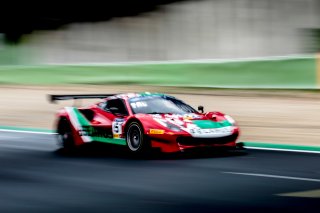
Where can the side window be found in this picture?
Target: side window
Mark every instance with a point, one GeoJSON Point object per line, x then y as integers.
{"type": "Point", "coordinates": [103, 105]}
{"type": "Point", "coordinates": [115, 106]}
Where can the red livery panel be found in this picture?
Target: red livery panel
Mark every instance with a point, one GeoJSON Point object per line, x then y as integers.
{"type": "Point", "coordinates": [142, 121]}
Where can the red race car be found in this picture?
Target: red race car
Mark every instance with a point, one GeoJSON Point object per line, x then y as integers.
{"type": "Point", "coordinates": [142, 121]}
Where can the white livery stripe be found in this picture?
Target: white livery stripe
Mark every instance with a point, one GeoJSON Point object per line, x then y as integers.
{"type": "Point", "coordinates": [75, 122]}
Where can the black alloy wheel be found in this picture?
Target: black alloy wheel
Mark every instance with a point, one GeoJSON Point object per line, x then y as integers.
{"type": "Point", "coordinates": [135, 138]}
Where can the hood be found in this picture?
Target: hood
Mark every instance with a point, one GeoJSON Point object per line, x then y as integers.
{"type": "Point", "coordinates": [212, 124]}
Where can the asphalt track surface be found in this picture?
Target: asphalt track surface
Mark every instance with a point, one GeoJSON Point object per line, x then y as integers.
{"type": "Point", "coordinates": [36, 176]}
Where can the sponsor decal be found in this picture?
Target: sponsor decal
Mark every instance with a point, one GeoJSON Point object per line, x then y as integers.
{"type": "Point", "coordinates": [191, 116]}
{"type": "Point", "coordinates": [156, 131]}
{"type": "Point", "coordinates": [139, 104]}
{"type": "Point", "coordinates": [208, 133]}
{"type": "Point", "coordinates": [100, 132]}
{"type": "Point", "coordinates": [187, 117]}
{"type": "Point", "coordinates": [116, 136]}
{"type": "Point", "coordinates": [208, 129]}
{"type": "Point", "coordinates": [225, 130]}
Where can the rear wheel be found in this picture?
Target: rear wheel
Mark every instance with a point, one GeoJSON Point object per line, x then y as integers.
{"type": "Point", "coordinates": [65, 138]}
{"type": "Point", "coordinates": [135, 138]}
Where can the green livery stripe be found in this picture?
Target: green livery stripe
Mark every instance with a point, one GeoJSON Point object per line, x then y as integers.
{"type": "Point", "coordinates": [110, 140]}
{"type": "Point", "coordinates": [207, 124]}
{"type": "Point", "coordinates": [80, 118]}
{"type": "Point", "coordinates": [78, 121]}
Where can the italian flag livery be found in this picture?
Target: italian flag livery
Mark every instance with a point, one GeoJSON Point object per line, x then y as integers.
{"type": "Point", "coordinates": [89, 132]}
{"type": "Point", "coordinates": [143, 121]}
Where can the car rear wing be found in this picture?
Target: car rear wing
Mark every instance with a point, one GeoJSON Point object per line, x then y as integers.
{"type": "Point", "coordinates": [54, 98]}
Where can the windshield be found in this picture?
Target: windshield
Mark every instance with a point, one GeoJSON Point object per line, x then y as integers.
{"type": "Point", "coordinates": [159, 105]}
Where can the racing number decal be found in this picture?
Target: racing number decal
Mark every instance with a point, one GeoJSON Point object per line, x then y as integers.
{"type": "Point", "coordinates": [116, 129]}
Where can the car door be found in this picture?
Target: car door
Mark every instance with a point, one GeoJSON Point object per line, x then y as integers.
{"type": "Point", "coordinates": [110, 115]}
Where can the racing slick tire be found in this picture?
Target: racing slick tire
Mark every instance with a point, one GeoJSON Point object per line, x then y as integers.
{"type": "Point", "coordinates": [65, 138]}
{"type": "Point", "coordinates": [135, 138]}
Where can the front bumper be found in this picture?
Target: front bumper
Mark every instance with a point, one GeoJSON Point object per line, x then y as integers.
{"type": "Point", "coordinates": [181, 142]}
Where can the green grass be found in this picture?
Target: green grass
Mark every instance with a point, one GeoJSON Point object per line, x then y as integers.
{"type": "Point", "coordinates": [290, 73]}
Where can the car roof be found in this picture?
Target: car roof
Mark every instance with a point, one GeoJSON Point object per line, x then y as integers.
{"type": "Point", "coordinates": [135, 95]}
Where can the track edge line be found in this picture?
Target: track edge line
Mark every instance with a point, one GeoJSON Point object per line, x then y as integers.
{"type": "Point", "coordinates": [280, 147]}
{"type": "Point", "coordinates": [26, 130]}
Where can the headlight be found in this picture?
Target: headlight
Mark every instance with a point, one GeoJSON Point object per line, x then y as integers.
{"type": "Point", "coordinates": [230, 120]}
{"type": "Point", "coordinates": [173, 127]}
{"type": "Point", "coordinates": [168, 125]}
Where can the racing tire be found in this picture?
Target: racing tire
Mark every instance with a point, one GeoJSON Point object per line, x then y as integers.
{"type": "Point", "coordinates": [65, 138]}
{"type": "Point", "coordinates": [135, 138]}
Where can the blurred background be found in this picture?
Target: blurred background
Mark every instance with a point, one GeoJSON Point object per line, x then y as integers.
{"type": "Point", "coordinates": [157, 30]}
{"type": "Point", "coordinates": [255, 60]}
{"type": "Point", "coordinates": [167, 46]}
{"type": "Point", "coordinates": [239, 44]}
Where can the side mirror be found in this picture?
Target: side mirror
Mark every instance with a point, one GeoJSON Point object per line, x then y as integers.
{"type": "Point", "coordinates": [200, 108]}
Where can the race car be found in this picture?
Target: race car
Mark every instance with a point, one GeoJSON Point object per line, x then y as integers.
{"type": "Point", "coordinates": [142, 121]}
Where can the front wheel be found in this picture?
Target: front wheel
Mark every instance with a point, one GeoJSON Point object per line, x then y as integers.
{"type": "Point", "coordinates": [135, 138]}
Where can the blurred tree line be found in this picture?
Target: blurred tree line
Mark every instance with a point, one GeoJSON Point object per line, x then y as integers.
{"type": "Point", "coordinates": [311, 39]}
{"type": "Point", "coordinates": [18, 18]}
